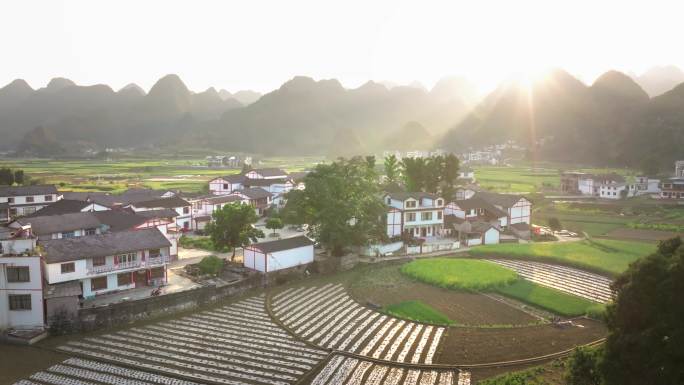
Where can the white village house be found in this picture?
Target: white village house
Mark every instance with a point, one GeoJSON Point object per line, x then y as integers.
{"type": "Point", "coordinates": [418, 213]}
{"type": "Point", "coordinates": [280, 254]}
{"type": "Point", "coordinates": [182, 208]}
{"type": "Point", "coordinates": [26, 200]}
{"type": "Point", "coordinates": [108, 262]}
{"type": "Point", "coordinates": [21, 292]}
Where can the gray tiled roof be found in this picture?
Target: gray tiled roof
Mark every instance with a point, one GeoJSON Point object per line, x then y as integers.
{"type": "Point", "coordinates": [283, 244]}
{"type": "Point", "coordinates": [43, 225]}
{"type": "Point", "coordinates": [71, 249]}
{"type": "Point", "coordinates": [12, 191]}
{"type": "Point", "coordinates": [169, 203]}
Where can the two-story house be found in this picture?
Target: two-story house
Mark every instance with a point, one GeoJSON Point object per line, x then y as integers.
{"type": "Point", "coordinates": [108, 262]}
{"type": "Point", "coordinates": [26, 200]}
{"type": "Point", "coordinates": [182, 207]}
{"type": "Point", "coordinates": [417, 213]}
{"type": "Point", "coordinates": [203, 208]}
{"type": "Point", "coordinates": [226, 184]}
{"type": "Point", "coordinates": [257, 197]}
{"type": "Point", "coordinates": [21, 292]}
{"type": "Point", "coordinates": [673, 188]}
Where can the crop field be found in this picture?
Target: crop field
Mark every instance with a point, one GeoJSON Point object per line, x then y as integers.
{"type": "Point", "coordinates": [417, 311]}
{"type": "Point", "coordinates": [327, 317]}
{"type": "Point", "coordinates": [187, 174]}
{"type": "Point", "coordinates": [604, 256]}
{"type": "Point", "coordinates": [459, 273]}
{"type": "Point", "coordinates": [235, 344]}
{"type": "Point", "coordinates": [516, 179]}
{"type": "Point", "coordinates": [346, 370]}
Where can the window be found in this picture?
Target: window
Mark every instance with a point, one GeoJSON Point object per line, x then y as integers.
{"type": "Point", "coordinates": [90, 231]}
{"type": "Point", "coordinates": [19, 301]}
{"type": "Point", "coordinates": [69, 234]}
{"type": "Point", "coordinates": [18, 274]}
{"type": "Point", "coordinates": [154, 253]}
{"type": "Point", "coordinates": [126, 258]}
{"type": "Point", "coordinates": [186, 210]}
{"type": "Point", "coordinates": [225, 186]}
{"type": "Point", "coordinates": [10, 200]}
{"type": "Point", "coordinates": [68, 267]}
{"type": "Point", "coordinates": [439, 202]}
{"type": "Point", "coordinates": [426, 216]}
{"type": "Point", "coordinates": [389, 200]}
{"type": "Point", "coordinates": [48, 198]}
{"type": "Point", "coordinates": [13, 212]}
{"type": "Point", "coordinates": [99, 261]}
{"type": "Point", "coordinates": [410, 217]}
{"type": "Point", "coordinates": [439, 215]}
{"type": "Point", "coordinates": [410, 204]}
{"type": "Point", "coordinates": [123, 279]}
{"type": "Point", "coordinates": [29, 210]}
{"type": "Point", "coordinates": [99, 283]}
{"type": "Point", "coordinates": [29, 199]}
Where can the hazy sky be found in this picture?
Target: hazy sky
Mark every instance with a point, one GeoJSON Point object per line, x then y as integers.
{"type": "Point", "coordinates": [260, 44]}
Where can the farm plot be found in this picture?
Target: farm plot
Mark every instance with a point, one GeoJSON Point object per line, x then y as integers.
{"type": "Point", "coordinates": [236, 344]}
{"type": "Point", "coordinates": [326, 316]}
{"type": "Point", "coordinates": [346, 370]}
{"type": "Point", "coordinates": [583, 284]}
{"type": "Point", "coordinates": [76, 371]}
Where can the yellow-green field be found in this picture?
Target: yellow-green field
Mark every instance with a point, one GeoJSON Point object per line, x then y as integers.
{"type": "Point", "coordinates": [187, 174]}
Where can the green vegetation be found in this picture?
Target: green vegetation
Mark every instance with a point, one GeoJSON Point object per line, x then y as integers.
{"type": "Point", "coordinates": [546, 298]}
{"type": "Point", "coordinates": [232, 227]}
{"type": "Point", "coordinates": [203, 243]}
{"type": "Point", "coordinates": [657, 226]}
{"type": "Point", "coordinates": [524, 377]}
{"type": "Point", "coordinates": [211, 265]}
{"type": "Point", "coordinates": [460, 273]}
{"type": "Point", "coordinates": [604, 256]}
{"type": "Point", "coordinates": [417, 311]}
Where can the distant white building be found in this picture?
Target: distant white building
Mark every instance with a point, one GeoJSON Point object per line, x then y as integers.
{"type": "Point", "coordinates": [280, 254]}
{"type": "Point", "coordinates": [26, 200]}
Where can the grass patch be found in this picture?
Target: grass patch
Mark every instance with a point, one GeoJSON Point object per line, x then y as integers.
{"type": "Point", "coordinates": [203, 243]}
{"type": "Point", "coordinates": [418, 311]}
{"type": "Point", "coordinates": [546, 298]}
{"type": "Point", "coordinates": [459, 273]}
{"type": "Point", "coordinates": [604, 256]}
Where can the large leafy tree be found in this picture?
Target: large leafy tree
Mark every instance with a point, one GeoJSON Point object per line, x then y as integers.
{"type": "Point", "coordinates": [645, 344]}
{"type": "Point", "coordinates": [342, 204]}
{"type": "Point", "coordinates": [413, 171]}
{"type": "Point", "coordinates": [392, 169]}
{"type": "Point", "coordinates": [232, 226]}
{"type": "Point", "coordinates": [6, 176]}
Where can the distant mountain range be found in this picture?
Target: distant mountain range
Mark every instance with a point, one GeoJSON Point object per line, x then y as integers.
{"type": "Point", "coordinates": [614, 121]}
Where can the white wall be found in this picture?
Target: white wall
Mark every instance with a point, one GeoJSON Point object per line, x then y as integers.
{"type": "Point", "coordinates": [279, 260]}
{"type": "Point", "coordinates": [521, 212]}
{"type": "Point", "coordinates": [53, 272]}
{"type": "Point", "coordinates": [491, 236]}
{"type": "Point", "coordinates": [394, 223]}
{"type": "Point", "coordinates": [216, 186]}
{"type": "Point", "coordinates": [21, 318]}
{"type": "Point", "coordinates": [17, 246]}
{"type": "Point", "coordinates": [254, 260]}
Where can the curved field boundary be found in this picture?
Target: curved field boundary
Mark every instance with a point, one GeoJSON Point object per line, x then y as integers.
{"type": "Point", "coordinates": [328, 318]}
{"type": "Point", "coordinates": [574, 281]}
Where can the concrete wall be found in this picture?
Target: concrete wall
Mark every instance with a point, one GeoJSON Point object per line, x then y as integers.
{"type": "Point", "coordinates": [34, 288]}
{"type": "Point", "coordinates": [491, 236]}
{"type": "Point", "coordinates": [279, 260]}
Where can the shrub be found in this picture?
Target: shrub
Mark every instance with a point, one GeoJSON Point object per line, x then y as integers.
{"type": "Point", "coordinates": [211, 265]}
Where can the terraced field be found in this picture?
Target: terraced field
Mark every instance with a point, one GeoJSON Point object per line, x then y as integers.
{"type": "Point", "coordinates": [327, 317]}
{"type": "Point", "coordinates": [236, 344]}
{"type": "Point", "coordinates": [583, 284]}
{"type": "Point", "coordinates": [347, 370]}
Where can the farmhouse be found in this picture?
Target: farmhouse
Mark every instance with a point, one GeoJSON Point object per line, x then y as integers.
{"type": "Point", "coordinates": [417, 213]}
{"type": "Point", "coordinates": [182, 208]}
{"type": "Point", "coordinates": [108, 262]}
{"type": "Point", "coordinates": [26, 200]}
{"type": "Point", "coordinates": [21, 292]}
{"type": "Point", "coordinates": [673, 188]}
{"type": "Point", "coordinates": [66, 206]}
{"type": "Point", "coordinates": [281, 254]}
{"type": "Point", "coordinates": [482, 233]}
{"type": "Point", "coordinates": [257, 197]}
{"type": "Point", "coordinates": [226, 184]}
{"type": "Point", "coordinates": [204, 207]}
{"type": "Point", "coordinates": [517, 208]}
{"type": "Point", "coordinates": [113, 201]}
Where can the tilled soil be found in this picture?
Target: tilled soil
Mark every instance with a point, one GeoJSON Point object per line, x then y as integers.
{"type": "Point", "coordinates": [17, 362]}
{"type": "Point", "coordinates": [464, 345]}
{"type": "Point", "coordinates": [472, 309]}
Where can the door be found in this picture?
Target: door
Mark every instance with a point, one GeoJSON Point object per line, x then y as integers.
{"type": "Point", "coordinates": [423, 232]}
{"type": "Point", "coordinates": [140, 278]}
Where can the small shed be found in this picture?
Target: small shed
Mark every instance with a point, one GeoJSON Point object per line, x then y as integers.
{"type": "Point", "coordinates": [280, 254]}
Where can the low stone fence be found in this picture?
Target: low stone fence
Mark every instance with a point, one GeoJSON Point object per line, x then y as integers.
{"type": "Point", "coordinates": [126, 312]}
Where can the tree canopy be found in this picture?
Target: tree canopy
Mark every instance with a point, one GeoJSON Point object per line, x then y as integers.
{"type": "Point", "coordinates": [232, 226]}
{"type": "Point", "coordinates": [392, 169]}
{"type": "Point", "coordinates": [436, 174]}
{"type": "Point", "coordinates": [645, 344]}
{"type": "Point", "coordinates": [342, 204]}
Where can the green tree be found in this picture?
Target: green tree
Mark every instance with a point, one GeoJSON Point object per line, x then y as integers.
{"type": "Point", "coordinates": [432, 173]}
{"type": "Point", "coordinates": [370, 162]}
{"type": "Point", "coordinates": [19, 177]}
{"type": "Point", "coordinates": [583, 367]}
{"type": "Point", "coordinates": [450, 168]}
{"type": "Point", "coordinates": [6, 176]}
{"type": "Point", "coordinates": [210, 264]}
{"type": "Point", "coordinates": [391, 169]}
{"type": "Point", "coordinates": [555, 224]}
{"type": "Point", "coordinates": [232, 226]}
{"type": "Point", "coordinates": [645, 343]}
{"type": "Point", "coordinates": [341, 203]}
{"type": "Point", "coordinates": [413, 171]}
{"type": "Point", "coordinates": [274, 223]}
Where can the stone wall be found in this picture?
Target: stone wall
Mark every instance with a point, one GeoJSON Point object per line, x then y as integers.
{"type": "Point", "coordinates": [126, 312]}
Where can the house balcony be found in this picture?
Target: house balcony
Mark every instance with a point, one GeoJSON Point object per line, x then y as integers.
{"type": "Point", "coordinates": [149, 262]}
